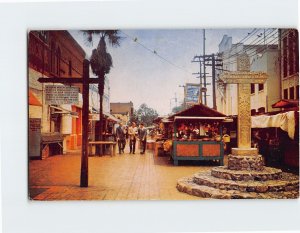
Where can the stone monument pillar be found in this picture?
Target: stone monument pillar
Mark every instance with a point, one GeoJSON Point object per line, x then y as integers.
{"type": "Point", "coordinates": [243, 78]}
{"type": "Point", "coordinates": [245, 176]}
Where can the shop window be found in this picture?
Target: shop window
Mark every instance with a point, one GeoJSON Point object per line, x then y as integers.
{"type": "Point", "coordinates": [297, 92]}
{"type": "Point", "coordinates": [70, 67]}
{"type": "Point", "coordinates": [285, 59]}
{"type": "Point", "coordinates": [260, 87]}
{"type": "Point", "coordinates": [58, 61]}
{"type": "Point", "coordinates": [296, 52]}
{"type": "Point", "coordinates": [43, 35]}
{"type": "Point", "coordinates": [252, 88]}
{"type": "Point", "coordinates": [285, 94]}
{"type": "Point", "coordinates": [52, 61]}
{"type": "Point", "coordinates": [292, 96]}
{"type": "Point", "coordinates": [291, 53]}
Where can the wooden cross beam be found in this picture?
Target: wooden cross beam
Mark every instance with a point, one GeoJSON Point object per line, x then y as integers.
{"type": "Point", "coordinates": [67, 80]}
{"type": "Point", "coordinates": [243, 78]}
{"type": "Point", "coordinates": [85, 81]}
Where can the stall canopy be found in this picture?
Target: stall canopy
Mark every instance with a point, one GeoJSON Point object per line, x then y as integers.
{"type": "Point", "coordinates": [111, 117]}
{"type": "Point", "coordinates": [197, 110]}
{"type": "Point", "coordinates": [94, 116]}
{"type": "Point", "coordinates": [285, 121]}
{"type": "Point", "coordinates": [159, 119]}
{"type": "Point", "coordinates": [285, 103]}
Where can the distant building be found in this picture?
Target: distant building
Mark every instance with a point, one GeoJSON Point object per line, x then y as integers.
{"type": "Point", "coordinates": [263, 96]}
{"type": "Point", "coordinates": [123, 111]}
{"type": "Point", "coordinates": [53, 54]}
{"type": "Point", "coordinates": [289, 54]}
{"type": "Point", "coordinates": [262, 58]}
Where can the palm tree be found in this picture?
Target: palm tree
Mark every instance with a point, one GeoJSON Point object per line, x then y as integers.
{"type": "Point", "coordinates": [101, 62]}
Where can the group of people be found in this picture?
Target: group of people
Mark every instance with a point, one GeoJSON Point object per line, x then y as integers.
{"type": "Point", "coordinates": [133, 133]}
{"type": "Point", "coordinates": [195, 131]}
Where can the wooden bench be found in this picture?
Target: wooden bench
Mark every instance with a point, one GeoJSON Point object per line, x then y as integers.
{"type": "Point", "coordinates": [110, 143]}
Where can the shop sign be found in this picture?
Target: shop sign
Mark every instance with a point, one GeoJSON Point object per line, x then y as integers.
{"type": "Point", "coordinates": [35, 124]}
{"type": "Point", "coordinates": [57, 95]}
{"type": "Point", "coordinates": [192, 93]}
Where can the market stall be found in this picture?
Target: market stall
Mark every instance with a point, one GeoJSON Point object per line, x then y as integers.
{"type": "Point", "coordinates": [197, 134]}
{"type": "Point", "coordinates": [277, 137]}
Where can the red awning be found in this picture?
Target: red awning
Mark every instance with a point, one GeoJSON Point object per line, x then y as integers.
{"type": "Point", "coordinates": [285, 103]}
{"type": "Point", "coordinates": [33, 100]}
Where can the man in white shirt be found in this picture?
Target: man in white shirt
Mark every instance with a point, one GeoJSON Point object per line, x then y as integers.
{"type": "Point", "coordinates": [132, 133]}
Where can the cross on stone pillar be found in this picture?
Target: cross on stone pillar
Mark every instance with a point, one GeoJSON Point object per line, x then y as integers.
{"type": "Point", "coordinates": [243, 78]}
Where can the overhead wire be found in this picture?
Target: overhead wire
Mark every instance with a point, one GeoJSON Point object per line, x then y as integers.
{"type": "Point", "coordinates": [255, 42]}
{"type": "Point", "coordinates": [154, 52]}
{"type": "Point", "coordinates": [258, 43]}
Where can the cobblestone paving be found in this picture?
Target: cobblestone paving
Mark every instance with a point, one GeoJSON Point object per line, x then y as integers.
{"type": "Point", "coordinates": [122, 177]}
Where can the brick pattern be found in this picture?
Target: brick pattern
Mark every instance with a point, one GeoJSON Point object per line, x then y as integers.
{"type": "Point", "coordinates": [122, 177]}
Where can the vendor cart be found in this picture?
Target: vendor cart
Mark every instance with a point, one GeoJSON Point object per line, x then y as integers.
{"type": "Point", "coordinates": [203, 148]}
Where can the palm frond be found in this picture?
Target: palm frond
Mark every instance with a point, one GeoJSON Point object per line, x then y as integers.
{"type": "Point", "coordinates": [114, 37]}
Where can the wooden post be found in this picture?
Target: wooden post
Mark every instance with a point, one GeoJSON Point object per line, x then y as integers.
{"type": "Point", "coordinates": [84, 174]}
{"type": "Point", "coordinates": [85, 80]}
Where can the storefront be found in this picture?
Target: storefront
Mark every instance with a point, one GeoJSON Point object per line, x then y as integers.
{"type": "Point", "coordinates": [109, 122]}
{"type": "Point", "coordinates": [277, 138]}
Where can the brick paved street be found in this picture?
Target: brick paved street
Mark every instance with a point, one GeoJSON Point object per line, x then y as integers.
{"type": "Point", "coordinates": [125, 177]}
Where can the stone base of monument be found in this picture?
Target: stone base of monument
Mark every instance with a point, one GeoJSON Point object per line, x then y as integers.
{"type": "Point", "coordinates": [245, 177]}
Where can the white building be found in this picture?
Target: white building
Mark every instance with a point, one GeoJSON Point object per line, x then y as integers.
{"type": "Point", "coordinates": [264, 95]}
{"type": "Point", "coordinates": [261, 59]}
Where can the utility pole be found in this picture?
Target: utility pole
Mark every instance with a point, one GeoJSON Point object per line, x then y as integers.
{"type": "Point", "coordinates": [200, 87]}
{"type": "Point", "coordinates": [213, 74]}
{"type": "Point", "coordinates": [214, 62]}
{"type": "Point", "coordinates": [204, 69]}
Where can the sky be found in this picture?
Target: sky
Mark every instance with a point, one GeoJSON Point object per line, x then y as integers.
{"type": "Point", "coordinates": [142, 76]}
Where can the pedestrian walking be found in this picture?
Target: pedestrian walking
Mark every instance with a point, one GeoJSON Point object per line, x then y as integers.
{"type": "Point", "coordinates": [120, 135]}
{"type": "Point", "coordinates": [126, 133]}
{"type": "Point", "coordinates": [143, 138]}
{"type": "Point", "coordinates": [132, 133]}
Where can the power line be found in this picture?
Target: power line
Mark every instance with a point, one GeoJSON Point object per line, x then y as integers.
{"type": "Point", "coordinates": [249, 48]}
{"type": "Point", "coordinates": [135, 39]}
{"type": "Point", "coordinates": [248, 35]}
{"type": "Point", "coordinates": [252, 43]}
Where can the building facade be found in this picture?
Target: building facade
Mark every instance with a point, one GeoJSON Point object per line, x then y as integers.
{"type": "Point", "coordinates": [263, 96]}
{"type": "Point", "coordinates": [289, 54]}
{"type": "Point", "coordinates": [53, 54]}
{"type": "Point", "coordinates": [262, 58]}
{"type": "Point", "coordinates": [123, 111]}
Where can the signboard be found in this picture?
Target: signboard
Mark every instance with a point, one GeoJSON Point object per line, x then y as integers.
{"type": "Point", "coordinates": [34, 139]}
{"type": "Point", "coordinates": [57, 94]}
{"type": "Point", "coordinates": [191, 93]}
{"type": "Point", "coordinates": [35, 124]}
